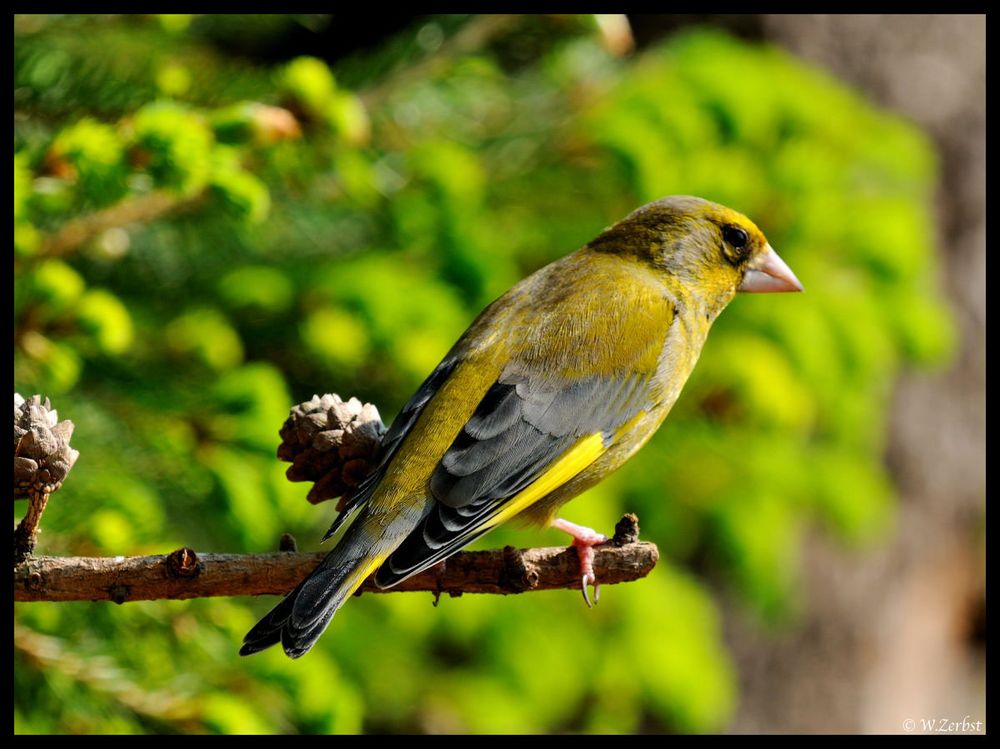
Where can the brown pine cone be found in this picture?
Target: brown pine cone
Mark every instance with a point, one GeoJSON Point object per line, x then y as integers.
{"type": "Point", "coordinates": [332, 443]}
{"type": "Point", "coordinates": [42, 455]}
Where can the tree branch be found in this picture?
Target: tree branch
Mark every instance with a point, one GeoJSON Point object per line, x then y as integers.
{"type": "Point", "coordinates": [328, 441]}
{"type": "Point", "coordinates": [26, 532]}
{"type": "Point", "coordinates": [138, 209]}
{"type": "Point", "coordinates": [185, 574]}
{"type": "Point", "coordinates": [473, 35]}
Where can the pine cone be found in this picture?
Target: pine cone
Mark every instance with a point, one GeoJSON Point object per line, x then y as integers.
{"type": "Point", "coordinates": [332, 443]}
{"type": "Point", "coordinates": [42, 455]}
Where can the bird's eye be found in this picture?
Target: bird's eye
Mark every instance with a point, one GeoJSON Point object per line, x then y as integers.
{"type": "Point", "coordinates": [735, 236]}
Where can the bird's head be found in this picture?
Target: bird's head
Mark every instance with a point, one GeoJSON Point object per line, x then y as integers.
{"type": "Point", "coordinates": [712, 250]}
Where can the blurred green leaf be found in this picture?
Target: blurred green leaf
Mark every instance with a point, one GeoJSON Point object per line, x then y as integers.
{"type": "Point", "coordinates": [228, 713]}
{"type": "Point", "coordinates": [241, 192]}
{"type": "Point", "coordinates": [349, 119]}
{"type": "Point", "coordinates": [177, 143]}
{"type": "Point", "coordinates": [207, 334]}
{"type": "Point", "coordinates": [253, 399]}
{"type": "Point", "coordinates": [336, 336]}
{"type": "Point", "coordinates": [258, 287]}
{"type": "Point", "coordinates": [94, 153]}
{"type": "Point", "coordinates": [310, 82]}
{"type": "Point", "coordinates": [102, 314]}
{"type": "Point", "coordinates": [173, 80]}
{"type": "Point", "coordinates": [57, 286]}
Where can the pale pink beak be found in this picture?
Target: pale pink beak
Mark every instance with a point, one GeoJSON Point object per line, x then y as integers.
{"type": "Point", "coordinates": [769, 273]}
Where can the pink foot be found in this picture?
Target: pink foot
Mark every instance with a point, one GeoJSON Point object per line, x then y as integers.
{"type": "Point", "coordinates": [584, 540]}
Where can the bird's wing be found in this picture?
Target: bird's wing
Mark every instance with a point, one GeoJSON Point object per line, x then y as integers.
{"type": "Point", "coordinates": [533, 431]}
{"type": "Point", "coordinates": [523, 442]}
{"type": "Point", "coordinates": [393, 438]}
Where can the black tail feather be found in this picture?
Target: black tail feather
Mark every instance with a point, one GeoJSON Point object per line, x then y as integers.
{"type": "Point", "coordinates": [261, 642]}
{"type": "Point", "coordinates": [297, 642]}
{"type": "Point", "coordinates": [301, 616]}
{"type": "Point", "coordinates": [267, 631]}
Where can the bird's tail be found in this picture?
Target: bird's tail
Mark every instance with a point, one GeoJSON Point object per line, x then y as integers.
{"type": "Point", "coordinates": [303, 615]}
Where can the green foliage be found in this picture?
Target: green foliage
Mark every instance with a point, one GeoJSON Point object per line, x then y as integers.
{"type": "Point", "coordinates": [26, 236]}
{"type": "Point", "coordinates": [96, 153]}
{"type": "Point", "coordinates": [105, 318]}
{"type": "Point", "coordinates": [177, 143]}
{"type": "Point", "coordinates": [207, 334]}
{"type": "Point", "coordinates": [178, 344]}
{"type": "Point", "coordinates": [310, 82]}
{"type": "Point", "coordinates": [243, 194]}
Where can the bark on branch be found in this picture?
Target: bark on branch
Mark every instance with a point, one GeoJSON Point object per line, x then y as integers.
{"type": "Point", "coordinates": [185, 574]}
{"type": "Point", "coordinates": [135, 210]}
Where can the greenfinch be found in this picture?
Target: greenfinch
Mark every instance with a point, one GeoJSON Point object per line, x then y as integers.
{"type": "Point", "coordinates": [554, 386]}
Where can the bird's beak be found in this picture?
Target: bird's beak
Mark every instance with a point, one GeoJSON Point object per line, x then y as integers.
{"type": "Point", "coordinates": [768, 272]}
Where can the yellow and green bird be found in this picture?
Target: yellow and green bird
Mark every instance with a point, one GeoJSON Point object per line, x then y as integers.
{"type": "Point", "coordinates": [554, 386]}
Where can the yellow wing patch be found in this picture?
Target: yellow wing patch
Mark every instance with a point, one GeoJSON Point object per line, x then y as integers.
{"type": "Point", "coordinates": [578, 457]}
{"type": "Point", "coordinates": [358, 576]}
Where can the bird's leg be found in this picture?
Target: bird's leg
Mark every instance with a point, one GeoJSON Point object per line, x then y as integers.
{"type": "Point", "coordinates": [584, 540]}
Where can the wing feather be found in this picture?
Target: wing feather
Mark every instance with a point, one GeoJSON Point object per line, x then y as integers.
{"type": "Point", "coordinates": [478, 479]}
{"type": "Point", "coordinates": [393, 438]}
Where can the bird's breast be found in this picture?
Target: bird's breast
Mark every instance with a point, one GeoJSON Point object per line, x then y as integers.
{"type": "Point", "coordinates": [682, 345]}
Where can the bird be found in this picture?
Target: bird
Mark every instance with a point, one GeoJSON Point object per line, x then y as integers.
{"type": "Point", "coordinates": [551, 388]}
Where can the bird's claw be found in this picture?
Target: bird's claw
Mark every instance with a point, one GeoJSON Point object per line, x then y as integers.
{"type": "Point", "coordinates": [584, 541]}
{"type": "Point", "coordinates": [589, 579]}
